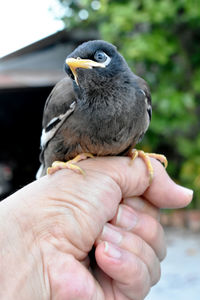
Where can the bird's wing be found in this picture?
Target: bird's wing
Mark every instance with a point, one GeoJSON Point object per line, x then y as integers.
{"type": "Point", "coordinates": [147, 96]}
{"type": "Point", "coordinates": [59, 106]}
{"type": "Point", "coordinates": [143, 87]}
{"type": "Point", "coordinates": [142, 108]}
{"type": "Point", "coordinates": [59, 100]}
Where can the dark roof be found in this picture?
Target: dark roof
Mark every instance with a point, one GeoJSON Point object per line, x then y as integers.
{"type": "Point", "coordinates": [41, 63]}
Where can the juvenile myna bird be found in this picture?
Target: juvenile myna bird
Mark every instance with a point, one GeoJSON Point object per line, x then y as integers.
{"type": "Point", "coordinates": [101, 108]}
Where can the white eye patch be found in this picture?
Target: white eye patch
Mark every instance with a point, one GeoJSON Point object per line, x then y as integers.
{"type": "Point", "coordinates": [108, 60]}
{"type": "Point", "coordinates": [101, 57]}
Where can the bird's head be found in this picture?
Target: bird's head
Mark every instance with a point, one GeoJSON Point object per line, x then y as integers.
{"type": "Point", "coordinates": [95, 63]}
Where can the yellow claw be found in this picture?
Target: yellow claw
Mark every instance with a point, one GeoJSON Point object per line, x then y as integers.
{"type": "Point", "coordinates": [71, 164]}
{"type": "Point", "coordinates": [159, 157]}
{"type": "Point", "coordinates": [59, 165]}
{"type": "Point", "coordinates": [133, 154]}
{"type": "Point", "coordinates": [146, 158]}
{"type": "Point", "coordinates": [80, 157]}
{"type": "Point", "coordinates": [75, 168]}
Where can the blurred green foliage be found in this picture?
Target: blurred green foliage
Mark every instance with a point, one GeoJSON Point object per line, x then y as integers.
{"type": "Point", "coordinates": [160, 40]}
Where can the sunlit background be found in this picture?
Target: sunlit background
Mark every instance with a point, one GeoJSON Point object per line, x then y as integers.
{"type": "Point", "coordinates": [24, 22]}
{"type": "Point", "coordinates": [160, 40]}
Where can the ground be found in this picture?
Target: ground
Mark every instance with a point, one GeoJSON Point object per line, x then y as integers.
{"type": "Point", "coordinates": [180, 279]}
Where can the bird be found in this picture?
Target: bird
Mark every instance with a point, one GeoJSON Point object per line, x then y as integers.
{"type": "Point", "coordinates": [100, 108]}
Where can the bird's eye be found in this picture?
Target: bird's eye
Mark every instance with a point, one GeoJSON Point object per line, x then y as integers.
{"type": "Point", "coordinates": [102, 57]}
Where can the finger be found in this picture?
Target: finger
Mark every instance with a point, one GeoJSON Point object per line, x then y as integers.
{"type": "Point", "coordinates": [135, 245]}
{"type": "Point", "coordinates": [134, 180]}
{"type": "Point", "coordinates": [130, 275]}
{"type": "Point", "coordinates": [142, 205]}
{"type": "Point", "coordinates": [68, 278]}
{"type": "Point", "coordinates": [164, 193]}
{"type": "Point", "coordinates": [143, 225]}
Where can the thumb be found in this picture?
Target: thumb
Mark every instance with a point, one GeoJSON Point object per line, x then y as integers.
{"type": "Point", "coordinates": [133, 180]}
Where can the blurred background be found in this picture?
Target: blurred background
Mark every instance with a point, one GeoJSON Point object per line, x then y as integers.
{"type": "Point", "coordinates": [160, 40]}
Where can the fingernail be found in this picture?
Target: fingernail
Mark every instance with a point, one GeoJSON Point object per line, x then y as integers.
{"type": "Point", "coordinates": [141, 205]}
{"type": "Point", "coordinates": [111, 251]}
{"type": "Point", "coordinates": [186, 191]}
{"type": "Point", "coordinates": [135, 202]}
{"type": "Point", "coordinates": [126, 218]}
{"type": "Point", "coordinates": [111, 235]}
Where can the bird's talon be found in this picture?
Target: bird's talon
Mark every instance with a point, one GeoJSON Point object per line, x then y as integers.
{"type": "Point", "coordinates": [70, 164]}
{"type": "Point", "coordinates": [159, 157]}
{"type": "Point", "coordinates": [52, 170]}
{"type": "Point", "coordinates": [150, 177]}
{"type": "Point", "coordinates": [60, 164]}
{"type": "Point", "coordinates": [146, 158]}
{"type": "Point", "coordinates": [80, 157]}
{"type": "Point", "coordinates": [133, 155]}
{"type": "Point", "coordinates": [75, 168]}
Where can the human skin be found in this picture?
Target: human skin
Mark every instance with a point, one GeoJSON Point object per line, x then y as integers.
{"type": "Point", "coordinates": [49, 227]}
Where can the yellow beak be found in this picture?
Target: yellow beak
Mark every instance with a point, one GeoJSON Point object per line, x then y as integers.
{"type": "Point", "coordinates": [75, 63]}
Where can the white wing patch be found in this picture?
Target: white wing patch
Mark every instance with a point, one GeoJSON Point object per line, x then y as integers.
{"type": "Point", "coordinates": [39, 172]}
{"type": "Point", "coordinates": [143, 92]}
{"type": "Point", "coordinates": [48, 135]}
{"type": "Point", "coordinates": [53, 120]}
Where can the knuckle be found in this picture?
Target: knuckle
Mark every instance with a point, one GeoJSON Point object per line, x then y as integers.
{"type": "Point", "coordinates": [142, 280]}
{"type": "Point", "coordinates": [157, 276]}
{"type": "Point", "coordinates": [154, 231]}
{"type": "Point", "coordinates": [155, 271]}
{"type": "Point", "coordinates": [156, 237]}
{"type": "Point", "coordinates": [138, 245]}
{"type": "Point", "coordinates": [164, 250]}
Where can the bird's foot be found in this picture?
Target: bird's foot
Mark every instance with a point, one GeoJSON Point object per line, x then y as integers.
{"type": "Point", "coordinates": [133, 153]}
{"type": "Point", "coordinates": [70, 164]}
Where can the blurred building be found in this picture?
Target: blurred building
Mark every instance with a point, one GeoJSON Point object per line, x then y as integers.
{"type": "Point", "coordinates": [26, 79]}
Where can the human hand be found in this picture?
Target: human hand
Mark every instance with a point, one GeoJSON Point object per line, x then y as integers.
{"type": "Point", "coordinates": [51, 225]}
